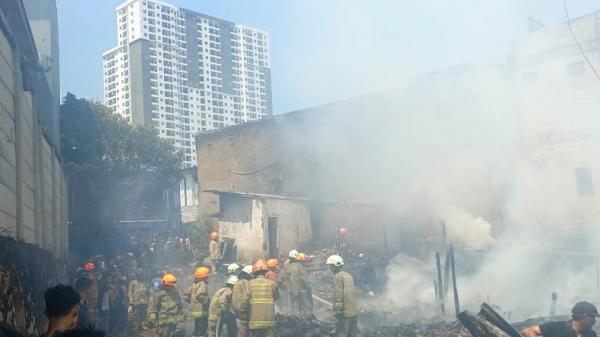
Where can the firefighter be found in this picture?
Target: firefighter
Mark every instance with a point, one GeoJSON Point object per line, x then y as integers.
{"type": "Point", "coordinates": [272, 273]}
{"type": "Point", "coordinates": [344, 299]}
{"type": "Point", "coordinates": [92, 298]}
{"type": "Point", "coordinates": [298, 286]}
{"type": "Point", "coordinates": [220, 314]}
{"type": "Point", "coordinates": [303, 257]}
{"type": "Point", "coordinates": [306, 297]}
{"type": "Point", "coordinates": [138, 299]}
{"type": "Point", "coordinates": [233, 269]}
{"type": "Point", "coordinates": [239, 299]}
{"type": "Point", "coordinates": [199, 300]}
{"type": "Point", "coordinates": [214, 250]}
{"type": "Point", "coordinates": [342, 241]}
{"type": "Point", "coordinates": [261, 302]}
{"type": "Point", "coordinates": [167, 311]}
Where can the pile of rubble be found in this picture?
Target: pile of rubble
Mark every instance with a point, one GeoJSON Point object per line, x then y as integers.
{"type": "Point", "coordinates": [292, 326]}
{"type": "Point", "coordinates": [486, 323]}
{"type": "Point", "coordinates": [434, 329]}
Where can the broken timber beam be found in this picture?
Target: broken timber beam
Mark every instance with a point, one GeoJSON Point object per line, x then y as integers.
{"type": "Point", "coordinates": [479, 326]}
{"type": "Point", "coordinates": [493, 317]}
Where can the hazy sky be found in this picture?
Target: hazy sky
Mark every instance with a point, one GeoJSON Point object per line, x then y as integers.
{"type": "Point", "coordinates": [327, 50]}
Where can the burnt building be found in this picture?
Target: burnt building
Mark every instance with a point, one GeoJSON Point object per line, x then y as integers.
{"type": "Point", "coordinates": [364, 164]}
{"type": "Point", "coordinates": [275, 168]}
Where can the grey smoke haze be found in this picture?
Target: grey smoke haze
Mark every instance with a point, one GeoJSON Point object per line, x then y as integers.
{"type": "Point", "coordinates": [448, 146]}
{"type": "Point", "coordinates": [340, 49]}
{"type": "Point", "coordinates": [462, 145]}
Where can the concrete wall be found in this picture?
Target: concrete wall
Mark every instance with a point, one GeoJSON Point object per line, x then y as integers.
{"type": "Point", "coordinates": [245, 220]}
{"type": "Point", "coordinates": [43, 20]}
{"type": "Point", "coordinates": [188, 195]}
{"type": "Point", "coordinates": [241, 220]}
{"type": "Point", "coordinates": [32, 183]}
{"type": "Point", "coordinates": [293, 220]}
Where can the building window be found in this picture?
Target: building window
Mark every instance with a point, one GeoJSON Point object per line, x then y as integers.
{"type": "Point", "coordinates": [585, 186]}
{"type": "Point", "coordinates": [575, 69]}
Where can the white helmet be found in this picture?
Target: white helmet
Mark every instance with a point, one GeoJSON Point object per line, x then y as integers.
{"type": "Point", "coordinates": [232, 280]}
{"type": "Point", "coordinates": [232, 268]}
{"type": "Point", "coordinates": [293, 254]}
{"type": "Point", "coordinates": [335, 260]}
{"type": "Point", "coordinates": [247, 269]}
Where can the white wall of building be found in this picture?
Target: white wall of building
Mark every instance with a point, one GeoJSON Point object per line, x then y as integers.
{"type": "Point", "coordinates": [559, 102]}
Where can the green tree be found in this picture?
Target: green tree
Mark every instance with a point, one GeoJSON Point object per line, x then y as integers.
{"type": "Point", "coordinates": [114, 171]}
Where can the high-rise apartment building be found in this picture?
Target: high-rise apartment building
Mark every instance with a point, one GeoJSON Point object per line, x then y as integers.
{"type": "Point", "coordinates": [183, 72]}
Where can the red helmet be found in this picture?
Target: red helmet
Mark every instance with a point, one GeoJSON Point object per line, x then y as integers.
{"type": "Point", "coordinates": [89, 266]}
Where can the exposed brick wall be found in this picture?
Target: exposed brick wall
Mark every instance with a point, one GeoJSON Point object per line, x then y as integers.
{"type": "Point", "coordinates": [314, 154]}
{"type": "Point", "coordinates": [296, 155]}
{"type": "Point", "coordinates": [26, 271]}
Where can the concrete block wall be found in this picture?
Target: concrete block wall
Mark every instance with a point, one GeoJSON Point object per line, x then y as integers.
{"type": "Point", "coordinates": [8, 188]}
{"type": "Point", "coordinates": [32, 183]}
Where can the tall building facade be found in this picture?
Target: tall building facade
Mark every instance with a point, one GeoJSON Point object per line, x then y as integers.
{"type": "Point", "coordinates": [184, 72]}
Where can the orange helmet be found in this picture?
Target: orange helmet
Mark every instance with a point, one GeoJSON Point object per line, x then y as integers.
{"type": "Point", "coordinates": [89, 266]}
{"type": "Point", "coordinates": [302, 257]}
{"type": "Point", "coordinates": [343, 231]}
{"type": "Point", "coordinates": [169, 279]}
{"type": "Point", "coordinates": [214, 235]}
{"type": "Point", "coordinates": [272, 263]}
{"type": "Point", "coordinates": [259, 265]}
{"type": "Point", "coordinates": [201, 273]}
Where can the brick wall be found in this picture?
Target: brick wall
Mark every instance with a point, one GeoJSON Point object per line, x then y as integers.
{"type": "Point", "coordinates": [313, 154]}
{"type": "Point", "coordinates": [300, 154]}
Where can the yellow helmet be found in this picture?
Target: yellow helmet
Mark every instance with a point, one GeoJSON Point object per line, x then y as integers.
{"type": "Point", "coordinates": [201, 273]}
{"type": "Point", "coordinates": [169, 279]}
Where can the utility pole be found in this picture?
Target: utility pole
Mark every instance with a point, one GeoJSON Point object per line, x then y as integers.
{"type": "Point", "coordinates": [454, 288]}
{"type": "Point", "coordinates": [439, 283]}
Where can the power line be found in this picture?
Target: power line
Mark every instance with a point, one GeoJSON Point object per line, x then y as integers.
{"type": "Point", "coordinates": [587, 60]}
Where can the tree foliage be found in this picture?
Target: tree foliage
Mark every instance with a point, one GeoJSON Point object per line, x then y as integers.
{"type": "Point", "coordinates": [115, 172]}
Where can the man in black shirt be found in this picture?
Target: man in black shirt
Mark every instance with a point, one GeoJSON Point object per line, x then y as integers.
{"type": "Point", "coordinates": [583, 318]}
{"type": "Point", "coordinates": [62, 309]}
